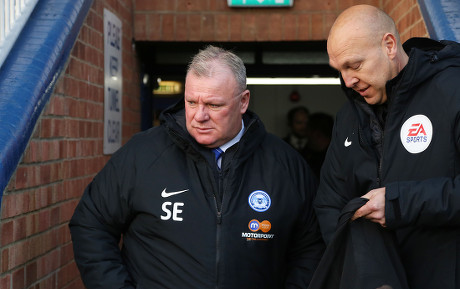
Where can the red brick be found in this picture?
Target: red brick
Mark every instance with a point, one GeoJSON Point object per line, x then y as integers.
{"type": "Point", "coordinates": [42, 243]}
{"type": "Point", "coordinates": [31, 273]}
{"type": "Point", "coordinates": [167, 24]}
{"type": "Point", "coordinates": [5, 260]}
{"type": "Point", "coordinates": [181, 30]}
{"type": "Point", "coordinates": [74, 284]}
{"type": "Point", "coordinates": [304, 26]}
{"type": "Point", "coordinates": [236, 27]}
{"type": "Point", "coordinates": [154, 27]}
{"type": "Point", "coordinates": [56, 106]}
{"type": "Point", "coordinates": [49, 283]}
{"type": "Point", "coordinates": [18, 254]}
{"type": "Point", "coordinates": [275, 27]}
{"type": "Point", "coordinates": [51, 127]}
{"type": "Point", "coordinates": [344, 4]}
{"type": "Point", "coordinates": [44, 220]}
{"type": "Point", "coordinates": [19, 228]}
{"type": "Point", "coordinates": [221, 27]}
{"type": "Point", "coordinates": [66, 210]}
{"type": "Point", "coordinates": [208, 27]}
{"type": "Point", "coordinates": [73, 87]}
{"type": "Point", "coordinates": [31, 154]}
{"type": "Point", "coordinates": [7, 233]}
{"type": "Point", "coordinates": [48, 263]}
{"type": "Point", "coordinates": [64, 234]}
{"type": "Point", "coordinates": [15, 204]}
{"type": "Point", "coordinates": [32, 224]}
{"type": "Point", "coordinates": [18, 279]}
{"type": "Point", "coordinates": [219, 6]}
{"type": "Point", "coordinates": [249, 27]}
{"type": "Point", "coordinates": [194, 27]}
{"type": "Point", "coordinates": [329, 20]}
{"type": "Point", "coordinates": [290, 27]}
{"type": "Point", "coordinates": [5, 281]}
{"type": "Point", "coordinates": [66, 274]}
{"type": "Point", "coordinates": [96, 39]}
{"type": "Point", "coordinates": [66, 253]}
{"type": "Point", "coordinates": [192, 5]}
{"type": "Point", "coordinates": [40, 151]}
{"type": "Point", "coordinates": [157, 5]}
{"type": "Point", "coordinates": [317, 27]}
{"type": "Point", "coordinates": [262, 27]}
{"type": "Point", "coordinates": [140, 26]}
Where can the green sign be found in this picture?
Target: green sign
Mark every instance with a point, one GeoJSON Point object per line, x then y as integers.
{"type": "Point", "coordinates": [260, 3]}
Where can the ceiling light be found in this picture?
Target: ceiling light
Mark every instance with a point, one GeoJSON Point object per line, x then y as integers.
{"type": "Point", "coordinates": [293, 81]}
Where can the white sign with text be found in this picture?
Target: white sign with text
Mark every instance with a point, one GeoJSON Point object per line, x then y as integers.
{"type": "Point", "coordinates": [112, 82]}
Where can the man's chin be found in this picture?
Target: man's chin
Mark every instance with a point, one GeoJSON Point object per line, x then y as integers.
{"type": "Point", "coordinates": [372, 100]}
{"type": "Point", "coordinates": [205, 141]}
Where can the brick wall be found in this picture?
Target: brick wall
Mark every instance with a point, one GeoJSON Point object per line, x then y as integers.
{"type": "Point", "coordinates": [408, 18]}
{"type": "Point", "coordinates": [212, 20]}
{"type": "Point", "coordinates": [63, 155]}
{"type": "Point", "coordinates": [65, 151]}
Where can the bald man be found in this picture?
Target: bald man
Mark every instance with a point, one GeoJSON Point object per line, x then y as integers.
{"type": "Point", "coordinates": [396, 142]}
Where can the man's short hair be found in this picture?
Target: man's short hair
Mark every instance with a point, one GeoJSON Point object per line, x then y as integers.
{"type": "Point", "coordinates": [202, 64]}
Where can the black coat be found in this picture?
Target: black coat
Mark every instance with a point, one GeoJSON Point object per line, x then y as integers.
{"type": "Point", "coordinates": [415, 155]}
{"type": "Point", "coordinates": [184, 225]}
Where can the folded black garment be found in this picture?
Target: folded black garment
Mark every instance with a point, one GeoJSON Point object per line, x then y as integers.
{"type": "Point", "coordinates": [361, 255]}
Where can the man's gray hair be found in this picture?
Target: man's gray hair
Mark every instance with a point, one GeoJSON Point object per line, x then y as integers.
{"type": "Point", "coordinates": [203, 63]}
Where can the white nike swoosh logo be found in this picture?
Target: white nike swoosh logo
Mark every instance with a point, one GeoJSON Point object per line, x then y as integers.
{"type": "Point", "coordinates": [164, 194]}
{"type": "Point", "coordinates": [347, 143]}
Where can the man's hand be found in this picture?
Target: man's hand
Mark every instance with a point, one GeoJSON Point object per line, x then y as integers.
{"type": "Point", "coordinates": [374, 209]}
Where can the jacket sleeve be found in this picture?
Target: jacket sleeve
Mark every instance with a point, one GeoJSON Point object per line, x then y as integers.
{"type": "Point", "coordinates": [431, 202]}
{"type": "Point", "coordinates": [329, 202]}
{"type": "Point", "coordinates": [96, 228]}
{"type": "Point", "coordinates": [307, 246]}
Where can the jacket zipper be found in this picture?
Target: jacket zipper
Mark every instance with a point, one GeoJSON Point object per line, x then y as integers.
{"type": "Point", "coordinates": [218, 229]}
{"type": "Point", "coordinates": [379, 169]}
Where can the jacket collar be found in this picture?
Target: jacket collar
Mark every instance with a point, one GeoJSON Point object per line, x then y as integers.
{"type": "Point", "coordinates": [173, 119]}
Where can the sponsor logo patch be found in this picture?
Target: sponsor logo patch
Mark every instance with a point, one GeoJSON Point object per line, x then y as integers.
{"type": "Point", "coordinates": [254, 225]}
{"type": "Point", "coordinates": [416, 133]}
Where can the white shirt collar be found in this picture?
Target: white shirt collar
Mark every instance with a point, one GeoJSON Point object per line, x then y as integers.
{"type": "Point", "coordinates": [236, 139]}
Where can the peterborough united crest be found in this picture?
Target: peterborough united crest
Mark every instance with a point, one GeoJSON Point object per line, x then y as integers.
{"type": "Point", "coordinates": [259, 201]}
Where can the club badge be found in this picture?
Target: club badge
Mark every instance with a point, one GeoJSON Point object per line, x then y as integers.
{"type": "Point", "coordinates": [259, 201]}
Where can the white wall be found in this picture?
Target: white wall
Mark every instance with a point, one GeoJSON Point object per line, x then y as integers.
{"type": "Point", "coordinates": [271, 102]}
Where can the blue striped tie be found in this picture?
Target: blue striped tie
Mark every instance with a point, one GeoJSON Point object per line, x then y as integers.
{"type": "Point", "coordinates": [218, 154]}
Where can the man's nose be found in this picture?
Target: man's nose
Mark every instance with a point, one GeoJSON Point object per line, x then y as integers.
{"type": "Point", "coordinates": [349, 79]}
{"type": "Point", "coordinates": [202, 113]}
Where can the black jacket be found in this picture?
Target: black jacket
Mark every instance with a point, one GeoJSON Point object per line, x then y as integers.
{"type": "Point", "coordinates": [184, 225]}
{"type": "Point", "coordinates": [411, 147]}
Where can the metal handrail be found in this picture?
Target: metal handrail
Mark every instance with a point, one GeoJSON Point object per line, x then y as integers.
{"type": "Point", "coordinates": [13, 17]}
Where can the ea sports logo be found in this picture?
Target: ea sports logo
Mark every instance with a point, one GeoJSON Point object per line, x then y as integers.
{"type": "Point", "coordinates": [416, 133]}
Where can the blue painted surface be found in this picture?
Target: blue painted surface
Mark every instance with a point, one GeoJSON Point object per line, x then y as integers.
{"type": "Point", "coordinates": [29, 73]}
{"type": "Point", "coordinates": [442, 18]}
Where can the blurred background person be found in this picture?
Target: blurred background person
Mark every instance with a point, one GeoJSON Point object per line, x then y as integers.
{"type": "Point", "coordinates": [297, 119]}
{"type": "Point", "coordinates": [319, 132]}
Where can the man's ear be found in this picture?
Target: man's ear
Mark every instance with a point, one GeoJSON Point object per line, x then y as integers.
{"type": "Point", "coordinates": [245, 96]}
{"type": "Point", "coordinates": [390, 45]}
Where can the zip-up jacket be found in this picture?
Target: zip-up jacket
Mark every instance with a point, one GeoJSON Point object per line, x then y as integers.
{"type": "Point", "coordinates": [412, 148]}
{"type": "Point", "coordinates": [185, 224]}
